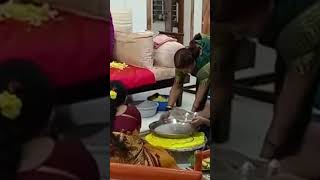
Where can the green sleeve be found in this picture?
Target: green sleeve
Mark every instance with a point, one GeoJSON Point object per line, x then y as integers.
{"type": "Point", "coordinates": [180, 76]}
{"type": "Point", "coordinates": [203, 75]}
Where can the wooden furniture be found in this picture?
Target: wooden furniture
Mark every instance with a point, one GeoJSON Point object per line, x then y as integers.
{"type": "Point", "coordinates": [241, 59]}
{"type": "Point", "coordinates": [199, 157]}
{"type": "Point", "coordinates": [178, 36]}
{"type": "Point", "coordinates": [135, 172]}
{"type": "Point", "coordinates": [205, 16]}
{"type": "Point", "coordinates": [168, 12]}
{"type": "Point", "coordinates": [168, 20]}
{"type": "Point", "coordinates": [248, 20]}
{"type": "Point", "coordinates": [159, 85]}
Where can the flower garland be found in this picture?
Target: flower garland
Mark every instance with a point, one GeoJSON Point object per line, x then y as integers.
{"type": "Point", "coordinates": [118, 65]}
{"type": "Point", "coordinates": [10, 105]}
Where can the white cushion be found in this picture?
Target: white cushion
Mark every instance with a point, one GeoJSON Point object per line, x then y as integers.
{"type": "Point", "coordinates": [122, 20]}
{"type": "Point", "coordinates": [164, 55]}
{"type": "Point", "coordinates": [135, 49]}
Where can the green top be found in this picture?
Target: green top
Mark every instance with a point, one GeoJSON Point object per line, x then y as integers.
{"type": "Point", "coordinates": [283, 13]}
{"type": "Point", "coordinates": [286, 10]}
{"type": "Point", "coordinates": [298, 42]}
{"type": "Point", "coordinates": [202, 70]}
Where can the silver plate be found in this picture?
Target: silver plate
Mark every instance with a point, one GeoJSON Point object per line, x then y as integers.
{"type": "Point", "coordinates": [182, 115]}
{"type": "Point", "coordinates": [171, 128]}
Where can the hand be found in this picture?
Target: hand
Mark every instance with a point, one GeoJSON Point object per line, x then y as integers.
{"type": "Point", "coordinates": [194, 108]}
{"type": "Point", "coordinates": [164, 116]}
{"type": "Point", "coordinates": [169, 108]}
{"type": "Point", "coordinates": [198, 121]}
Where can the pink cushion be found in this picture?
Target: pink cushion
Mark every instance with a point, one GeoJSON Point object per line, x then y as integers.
{"type": "Point", "coordinates": [70, 51]}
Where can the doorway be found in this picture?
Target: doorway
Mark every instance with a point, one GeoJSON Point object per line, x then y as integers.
{"type": "Point", "coordinates": [205, 17]}
{"type": "Point", "coordinates": [166, 17]}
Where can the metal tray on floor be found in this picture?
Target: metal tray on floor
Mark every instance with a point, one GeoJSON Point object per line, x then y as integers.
{"type": "Point", "coordinates": [171, 128]}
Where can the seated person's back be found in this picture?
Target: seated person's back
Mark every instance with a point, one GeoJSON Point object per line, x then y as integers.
{"type": "Point", "coordinates": [128, 117]}
{"type": "Point", "coordinates": [60, 160]}
{"type": "Point", "coordinates": [26, 151]}
{"type": "Point", "coordinates": [126, 146]}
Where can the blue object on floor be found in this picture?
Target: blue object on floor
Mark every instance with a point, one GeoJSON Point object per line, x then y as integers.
{"type": "Point", "coordinates": [162, 105]}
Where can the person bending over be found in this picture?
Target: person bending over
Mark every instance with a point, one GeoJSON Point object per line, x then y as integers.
{"type": "Point", "coordinates": [193, 60]}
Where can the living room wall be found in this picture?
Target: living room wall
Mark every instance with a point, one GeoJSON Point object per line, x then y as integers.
{"type": "Point", "coordinates": [139, 15]}
{"type": "Point", "coordinates": [139, 12]}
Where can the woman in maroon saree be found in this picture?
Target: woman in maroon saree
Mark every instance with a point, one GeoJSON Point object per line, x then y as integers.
{"type": "Point", "coordinates": [128, 118]}
{"type": "Point", "coordinates": [27, 151]}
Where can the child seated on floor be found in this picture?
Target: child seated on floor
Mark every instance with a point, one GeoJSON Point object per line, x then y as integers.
{"type": "Point", "coordinates": [27, 151]}
{"type": "Point", "coordinates": [130, 148]}
{"type": "Point", "coordinates": [128, 117]}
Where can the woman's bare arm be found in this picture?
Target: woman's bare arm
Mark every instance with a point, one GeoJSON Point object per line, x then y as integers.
{"type": "Point", "coordinates": [201, 92]}
{"type": "Point", "coordinates": [206, 111]}
{"type": "Point", "coordinates": [175, 92]}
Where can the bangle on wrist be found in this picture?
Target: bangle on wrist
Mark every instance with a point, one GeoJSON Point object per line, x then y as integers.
{"type": "Point", "coordinates": [195, 108]}
{"type": "Point", "coordinates": [169, 107]}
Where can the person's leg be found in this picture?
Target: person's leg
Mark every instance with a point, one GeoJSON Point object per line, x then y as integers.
{"type": "Point", "coordinates": [280, 70]}
{"type": "Point", "coordinates": [222, 83]}
{"type": "Point", "coordinates": [307, 162]}
{"type": "Point", "coordinates": [289, 119]}
{"type": "Point", "coordinates": [298, 46]}
{"type": "Point", "coordinates": [222, 105]}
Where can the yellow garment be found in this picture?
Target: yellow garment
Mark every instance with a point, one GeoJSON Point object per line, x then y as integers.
{"type": "Point", "coordinates": [132, 149]}
{"type": "Point", "coordinates": [166, 160]}
{"type": "Point", "coordinates": [118, 65]}
{"type": "Point", "coordinates": [29, 13]}
{"type": "Point", "coordinates": [197, 139]}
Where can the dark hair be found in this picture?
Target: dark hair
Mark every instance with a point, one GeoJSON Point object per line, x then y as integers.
{"type": "Point", "coordinates": [121, 91]}
{"type": "Point", "coordinates": [113, 112]}
{"type": "Point", "coordinates": [30, 86]}
{"type": "Point", "coordinates": [195, 50]}
{"type": "Point", "coordinates": [183, 58]}
{"type": "Point", "coordinates": [114, 141]}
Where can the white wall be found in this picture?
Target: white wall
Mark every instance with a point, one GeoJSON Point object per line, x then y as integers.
{"type": "Point", "coordinates": [186, 23]}
{"type": "Point", "coordinates": [139, 12]}
{"type": "Point", "coordinates": [197, 17]}
{"type": "Point", "coordinates": [139, 15]}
